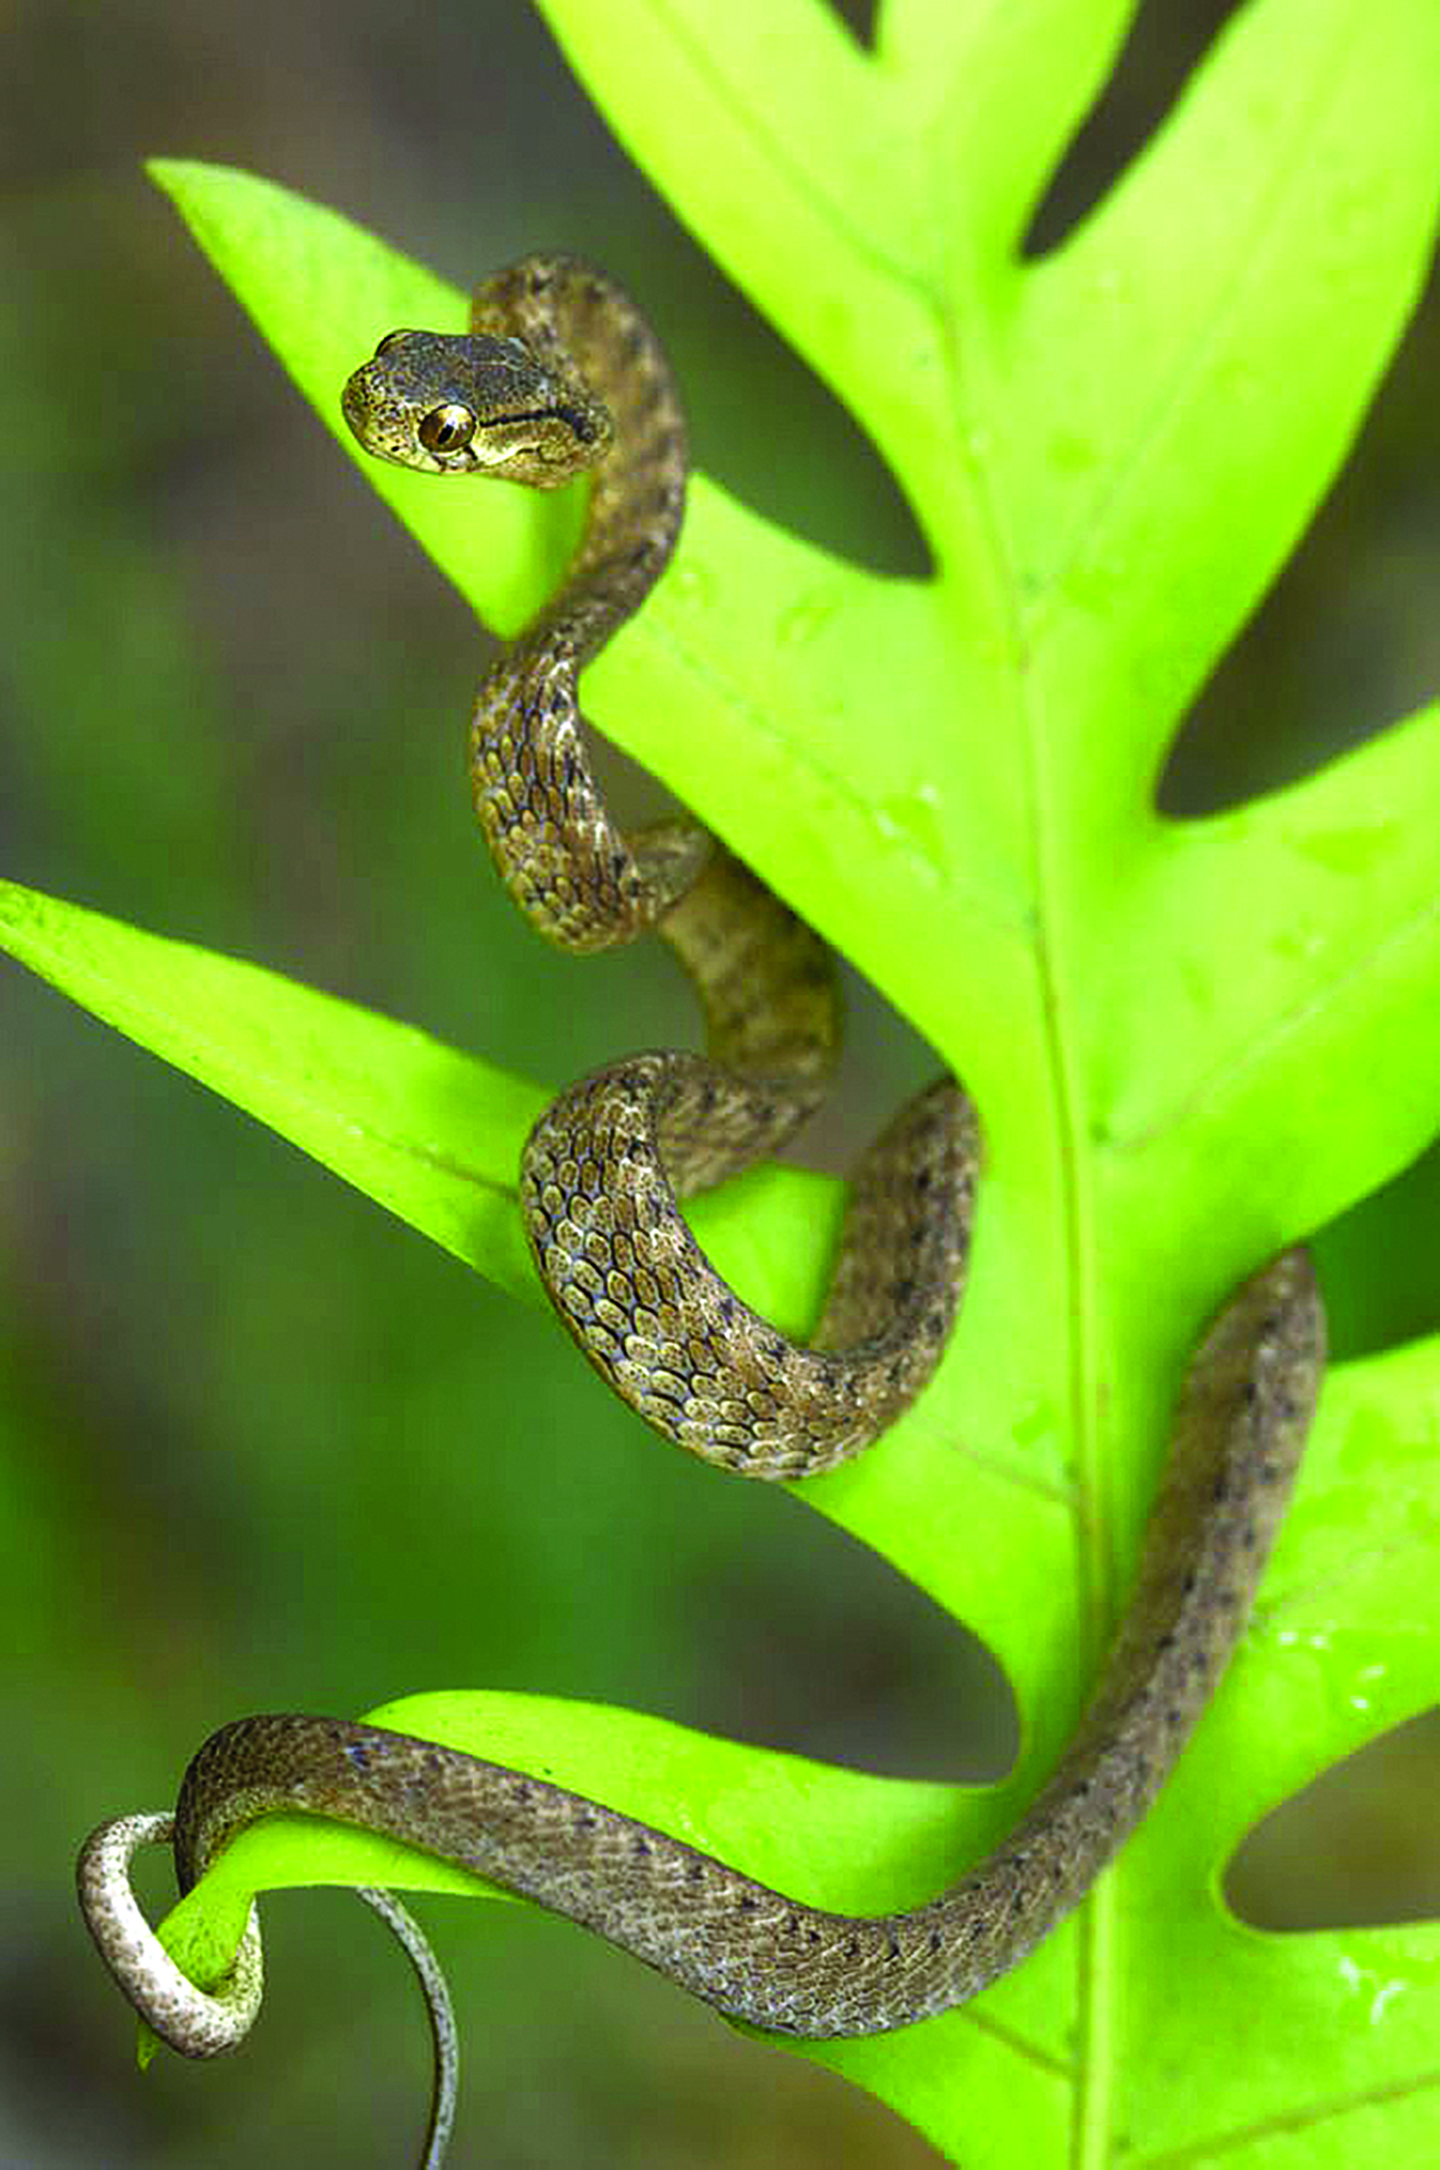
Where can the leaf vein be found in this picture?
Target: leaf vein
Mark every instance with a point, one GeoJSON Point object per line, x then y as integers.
{"type": "Point", "coordinates": [1251, 259]}
{"type": "Point", "coordinates": [1259, 1052]}
{"type": "Point", "coordinates": [1289, 2121]}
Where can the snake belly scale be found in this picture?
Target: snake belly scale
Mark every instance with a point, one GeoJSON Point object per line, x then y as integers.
{"type": "Point", "coordinates": [561, 373]}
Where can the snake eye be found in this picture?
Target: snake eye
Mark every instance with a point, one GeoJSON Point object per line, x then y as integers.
{"type": "Point", "coordinates": [391, 339]}
{"type": "Point", "coordinates": [448, 428]}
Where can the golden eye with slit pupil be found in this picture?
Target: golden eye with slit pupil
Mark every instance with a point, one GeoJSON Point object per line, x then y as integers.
{"type": "Point", "coordinates": [447, 429]}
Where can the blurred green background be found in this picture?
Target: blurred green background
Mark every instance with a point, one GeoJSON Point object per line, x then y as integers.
{"type": "Point", "coordinates": [232, 704]}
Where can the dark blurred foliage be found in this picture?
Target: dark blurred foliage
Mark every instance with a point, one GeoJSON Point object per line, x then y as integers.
{"type": "Point", "coordinates": [231, 708]}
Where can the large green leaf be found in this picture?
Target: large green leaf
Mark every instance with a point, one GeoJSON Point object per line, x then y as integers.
{"type": "Point", "coordinates": [1190, 1044]}
{"type": "Point", "coordinates": [432, 1134]}
{"type": "Point", "coordinates": [1331, 1658]}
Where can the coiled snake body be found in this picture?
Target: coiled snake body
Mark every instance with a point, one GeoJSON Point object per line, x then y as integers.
{"type": "Point", "coordinates": [559, 373]}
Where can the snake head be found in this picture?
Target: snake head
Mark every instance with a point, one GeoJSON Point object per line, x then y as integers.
{"type": "Point", "coordinates": [466, 404]}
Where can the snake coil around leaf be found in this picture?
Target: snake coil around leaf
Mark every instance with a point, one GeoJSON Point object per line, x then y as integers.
{"type": "Point", "coordinates": [560, 373]}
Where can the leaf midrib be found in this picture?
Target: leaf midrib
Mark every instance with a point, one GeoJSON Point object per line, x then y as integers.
{"type": "Point", "coordinates": [1094, 2069]}
{"type": "Point", "coordinates": [1026, 624]}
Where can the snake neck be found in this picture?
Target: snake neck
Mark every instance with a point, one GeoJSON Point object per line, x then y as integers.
{"type": "Point", "coordinates": [586, 330]}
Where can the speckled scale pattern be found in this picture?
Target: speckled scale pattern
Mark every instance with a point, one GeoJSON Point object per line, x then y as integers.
{"type": "Point", "coordinates": [669, 1335]}
{"type": "Point", "coordinates": [192, 2020]}
{"type": "Point", "coordinates": [606, 1164]}
{"type": "Point", "coordinates": [577, 877]}
{"type": "Point", "coordinates": [600, 1176]}
{"type": "Point", "coordinates": [765, 1956]}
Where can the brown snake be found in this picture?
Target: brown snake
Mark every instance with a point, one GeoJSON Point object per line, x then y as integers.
{"type": "Point", "coordinates": [561, 373]}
